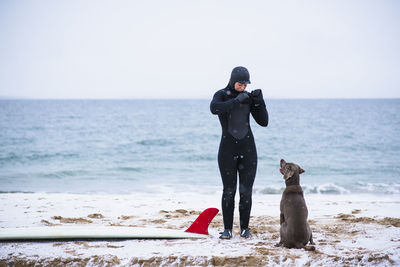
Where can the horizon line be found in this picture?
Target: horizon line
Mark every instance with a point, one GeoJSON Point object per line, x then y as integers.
{"type": "Point", "coordinates": [192, 98]}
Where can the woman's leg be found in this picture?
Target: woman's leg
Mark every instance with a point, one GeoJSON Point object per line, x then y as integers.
{"type": "Point", "coordinates": [247, 167]}
{"type": "Point", "coordinates": [227, 163]}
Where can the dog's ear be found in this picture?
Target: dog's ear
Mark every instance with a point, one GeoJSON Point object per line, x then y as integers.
{"type": "Point", "coordinates": [283, 163]}
{"type": "Point", "coordinates": [300, 170]}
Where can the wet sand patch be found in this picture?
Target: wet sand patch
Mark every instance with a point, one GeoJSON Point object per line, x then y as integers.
{"type": "Point", "coordinates": [353, 219]}
{"type": "Point", "coordinates": [47, 223]}
{"type": "Point", "coordinates": [96, 216]}
{"type": "Point", "coordinates": [126, 217]}
{"type": "Point", "coordinates": [158, 221]}
{"type": "Point", "coordinates": [62, 261]}
{"type": "Point", "coordinates": [179, 213]}
{"type": "Point", "coordinates": [72, 220]}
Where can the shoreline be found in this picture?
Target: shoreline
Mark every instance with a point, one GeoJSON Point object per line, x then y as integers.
{"type": "Point", "coordinates": [347, 230]}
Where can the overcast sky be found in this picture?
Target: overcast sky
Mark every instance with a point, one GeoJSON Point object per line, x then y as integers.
{"type": "Point", "coordinates": [187, 49]}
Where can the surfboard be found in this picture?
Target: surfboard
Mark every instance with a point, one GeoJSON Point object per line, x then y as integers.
{"type": "Point", "coordinates": [198, 229]}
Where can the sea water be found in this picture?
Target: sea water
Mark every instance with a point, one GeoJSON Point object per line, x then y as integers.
{"type": "Point", "coordinates": [126, 146]}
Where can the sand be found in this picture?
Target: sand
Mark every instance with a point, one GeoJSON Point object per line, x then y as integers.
{"type": "Point", "coordinates": [349, 230]}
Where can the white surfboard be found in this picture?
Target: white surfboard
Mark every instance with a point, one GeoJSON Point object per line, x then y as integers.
{"type": "Point", "coordinates": [199, 229]}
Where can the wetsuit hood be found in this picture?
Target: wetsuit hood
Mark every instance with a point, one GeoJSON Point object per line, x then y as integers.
{"type": "Point", "coordinates": [239, 74]}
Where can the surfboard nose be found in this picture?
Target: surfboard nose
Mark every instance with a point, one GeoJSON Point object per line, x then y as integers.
{"type": "Point", "coordinates": [200, 225]}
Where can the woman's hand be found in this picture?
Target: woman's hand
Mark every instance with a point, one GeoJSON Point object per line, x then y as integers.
{"type": "Point", "coordinates": [257, 97]}
{"type": "Point", "coordinates": [242, 97]}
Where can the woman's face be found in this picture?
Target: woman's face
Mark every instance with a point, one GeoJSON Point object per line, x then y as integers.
{"type": "Point", "coordinates": [240, 87]}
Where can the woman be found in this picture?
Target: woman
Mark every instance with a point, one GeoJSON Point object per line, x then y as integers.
{"type": "Point", "coordinates": [237, 151]}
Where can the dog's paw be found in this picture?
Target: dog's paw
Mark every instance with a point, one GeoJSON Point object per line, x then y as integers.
{"type": "Point", "coordinates": [309, 248]}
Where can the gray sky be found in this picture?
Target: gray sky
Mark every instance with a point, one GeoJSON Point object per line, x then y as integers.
{"type": "Point", "coordinates": [187, 49]}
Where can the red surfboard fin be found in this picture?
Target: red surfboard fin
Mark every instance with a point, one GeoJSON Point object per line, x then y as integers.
{"type": "Point", "coordinates": [200, 225]}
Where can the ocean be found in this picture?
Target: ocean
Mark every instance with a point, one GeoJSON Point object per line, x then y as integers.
{"type": "Point", "coordinates": [345, 146]}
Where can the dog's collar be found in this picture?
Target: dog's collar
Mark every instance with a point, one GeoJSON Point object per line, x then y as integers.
{"type": "Point", "coordinates": [293, 189]}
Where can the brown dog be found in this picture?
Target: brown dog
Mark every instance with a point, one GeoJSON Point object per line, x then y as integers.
{"type": "Point", "coordinates": [295, 231]}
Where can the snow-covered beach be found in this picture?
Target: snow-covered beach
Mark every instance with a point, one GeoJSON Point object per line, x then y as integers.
{"type": "Point", "coordinates": [362, 230]}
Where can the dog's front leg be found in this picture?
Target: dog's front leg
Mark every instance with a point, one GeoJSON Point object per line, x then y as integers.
{"type": "Point", "coordinates": [311, 240]}
{"type": "Point", "coordinates": [280, 244]}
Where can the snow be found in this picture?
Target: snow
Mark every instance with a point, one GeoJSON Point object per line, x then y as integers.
{"type": "Point", "coordinates": [347, 230]}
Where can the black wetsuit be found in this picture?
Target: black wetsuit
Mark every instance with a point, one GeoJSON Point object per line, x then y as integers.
{"type": "Point", "coordinates": [237, 150]}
